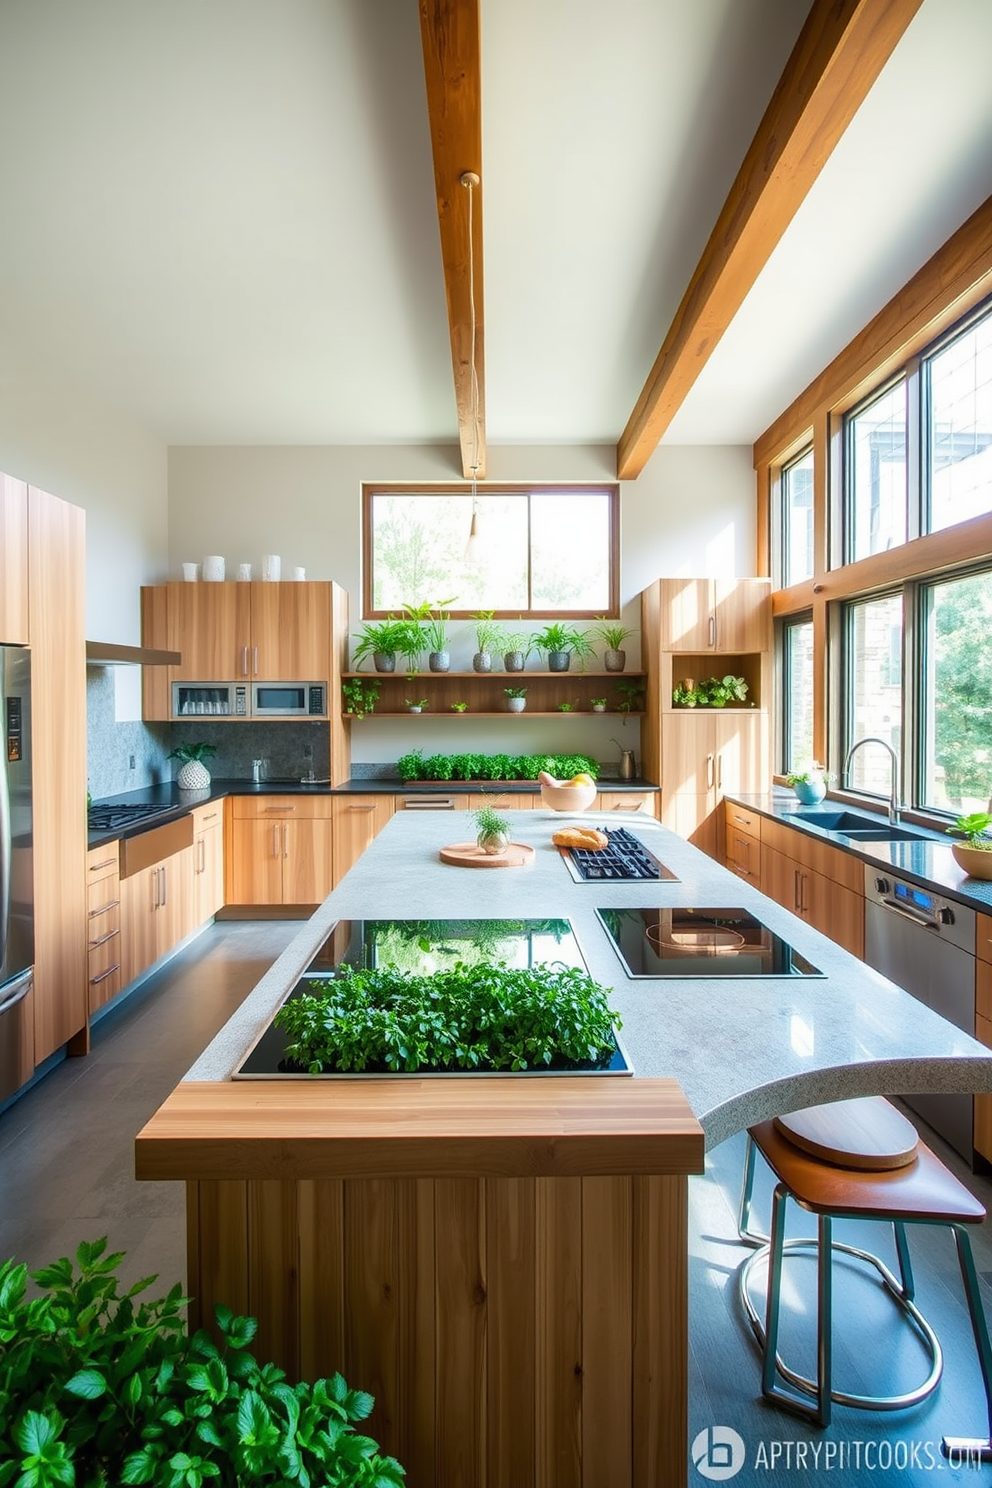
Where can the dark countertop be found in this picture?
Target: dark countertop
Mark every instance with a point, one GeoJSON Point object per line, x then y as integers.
{"type": "Point", "coordinates": [928, 862]}
{"type": "Point", "coordinates": [176, 803]}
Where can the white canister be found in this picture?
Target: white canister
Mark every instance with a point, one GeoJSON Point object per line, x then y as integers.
{"type": "Point", "coordinates": [191, 572]}
{"type": "Point", "coordinates": [271, 567]}
{"type": "Point", "coordinates": [299, 574]}
{"type": "Point", "coordinates": [213, 569]}
{"type": "Point", "coordinates": [244, 572]}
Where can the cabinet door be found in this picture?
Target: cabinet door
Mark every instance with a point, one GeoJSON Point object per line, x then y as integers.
{"type": "Point", "coordinates": [781, 879]}
{"type": "Point", "coordinates": [140, 896]}
{"type": "Point", "coordinates": [307, 867]}
{"type": "Point", "coordinates": [357, 820]}
{"type": "Point", "coordinates": [257, 852]}
{"type": "Point", "coordinates": [174, 915]}
{"type": "Point", "coordinates": [743, 856]}
{"type": "Point", "coordinates": [740, 741]}
{"type": "Point", "coordinates": [208, 873]}
{"type": "Point", "coordinates": [291, 632]}
{"type": "Point", "coordinates": [835, 910]}
{"type": "Point", "coordinates": [742, 611]}
{"type": "Point", "coordinates": [13, 561]}
{"type": "Point", "coordinates": [210, 625]}
{"type": "Point", "coordinates": [687, 619]}
{"type": "Point", "coordinates": [689, 754]}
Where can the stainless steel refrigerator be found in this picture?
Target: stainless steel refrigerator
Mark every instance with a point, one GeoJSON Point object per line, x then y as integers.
{"type": "Point", "coordinates": [16, 870]}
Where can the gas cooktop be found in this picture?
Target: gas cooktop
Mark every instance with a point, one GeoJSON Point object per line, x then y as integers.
{"type": "Point", "coordinates": [626, 857]}
{"type": "Point", "coordinates": [113, 818]}
{"type": "Point", "coordinates": [700, 943]}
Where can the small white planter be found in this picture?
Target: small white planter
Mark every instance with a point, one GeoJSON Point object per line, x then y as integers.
{"type": "Point", "coordinates": [516, 705]}
{"type": "Point", "coordinates": [193, 776]}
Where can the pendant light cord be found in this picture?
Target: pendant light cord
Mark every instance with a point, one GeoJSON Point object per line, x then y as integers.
{"type": "Point", "coordinates": [470, 180]}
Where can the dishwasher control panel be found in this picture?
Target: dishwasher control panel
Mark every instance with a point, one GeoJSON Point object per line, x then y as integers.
{"type": "Point", "coordinates": [953, 923]}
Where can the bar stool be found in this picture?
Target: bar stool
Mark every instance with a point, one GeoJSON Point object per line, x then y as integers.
{"type": "Point", "coordinates": [857, 1159]}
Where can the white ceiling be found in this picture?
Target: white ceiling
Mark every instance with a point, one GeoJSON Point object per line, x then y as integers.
{"type": "Point", "coordinates": [220, 213]}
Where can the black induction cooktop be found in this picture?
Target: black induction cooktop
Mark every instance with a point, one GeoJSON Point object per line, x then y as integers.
{"type": "Point", "coordinates": [625, 857]}
{"type": "Point", "coordinates": [688, 943]}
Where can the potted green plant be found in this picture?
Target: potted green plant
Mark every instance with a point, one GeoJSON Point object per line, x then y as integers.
{"type": "Point", "coordinates": [974, 855]}
{"type": "Point", "coordinates": [631, 699]}
{"type": "Point", "coordinates": [431, 620]}
{"type": "Point", "coordinates": [809, 784]}
{"type": "Point", "coordinates": [488, 638]}
{"type": "Point", "coordinates": [516, 698]}
{"type": "Point", "coordinates": [415, 705]}
{"type": "Point", "coordinates": [712, 692]}
{"type": "Point", "coordinates": [383, 639]}
{"type": "Point", "coordinates": [613, 636]}
{"type": "Point", "coordinates": [566, 707]}
{"type": "Point", "coordinates": [558, 641]}
{"type": "Point", "coordinates": [359, 697]}
{"type": "Point", "coordinates": [494, 830]}
{"type": "Point", "coordinates": [598, 705]}
{"type": "Point", "coordinates": [100, 1386]}
{"type": "Point", "coordinates": [458, 707]}
{"type": "Point", "coordinates": [194, 774]}
{"type": "Point", "coordinates": [516, 649]}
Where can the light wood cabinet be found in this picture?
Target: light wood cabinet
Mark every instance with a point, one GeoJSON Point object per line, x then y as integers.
{"type": "Point", "coordinates": [607, 800]}
{"type": "Point", "coordinates": [357, 820]}
{"type": "Point", "coordinates": [156, 911]}
{"type": "Point", "coordinates": [983, 1033]}
{"type": "Point", "coordinates": [14, 622]}
{"type": "Point", "coordinates": [291, 633]}
{"type": "Point", "coordinates": [714, 615]}
{"type": "Point", "coordinates": [282, 850]}
{"type": "Point", "coordinates": [742, 843]}
{"type": "Point", "coordinates": [208, 861]}
{"type": "Point", "coordinates": [816, 897]}
{"type": "Point", "coordinates": [103, 925]}
{"type": "Point", "coordinates": [56, 605]}
{"type": "Point", "coordinates": [708, 753]}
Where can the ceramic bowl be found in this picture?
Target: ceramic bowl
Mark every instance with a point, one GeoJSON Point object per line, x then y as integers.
{"type": "Point", "coordinates": [974, 860]}
{"type": "Point", "coordinates": [568, 797]}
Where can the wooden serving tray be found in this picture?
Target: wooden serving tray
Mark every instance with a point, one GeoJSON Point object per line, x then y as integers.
{"type": "Point", "coordinates": [470, 855]}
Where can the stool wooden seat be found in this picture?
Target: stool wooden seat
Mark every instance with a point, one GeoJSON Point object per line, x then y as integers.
{"type": "Point", "coordinates": [919, 1191]}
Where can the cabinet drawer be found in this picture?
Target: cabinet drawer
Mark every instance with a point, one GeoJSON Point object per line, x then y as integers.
{"type": "Point", "coordinates": [844, 868]}
{"type": "Point", "coordinates": [102, 901]}
{"type": "Point", "coordinates": [644, 801]}
{"type": "Point", "coordinates": [262, 808]}
{"type": "Point", "coordinates": [149, 848]}
{"type": "Point", "coordinates": [104, 952]}
{"type": "Point", "coordinates": [740, 820]}
{"type": "Point", "coordinates": [209, 815]}
{"type": "Point", "coordinates": [983, 938]}
{"type": "Point", "coordinates": [103, 985]}
{"type": "Point", "coordinates": [102, 862]}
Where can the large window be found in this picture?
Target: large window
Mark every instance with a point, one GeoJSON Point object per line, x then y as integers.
{"type": "Point", "coordinates": [797, 520]}
{"type": "Point", "coordinates": [515, 551]}
{"type": "Point", "coordinates": [797, 695]}
{"type": "Point", "coordinates": [873, 671]}
{"type": "Point", "coordinates": [957, 714]}
{"type": "Point", "coordinates": [959, 377]}
{"type": "Point", "coordinates": [875, 486]}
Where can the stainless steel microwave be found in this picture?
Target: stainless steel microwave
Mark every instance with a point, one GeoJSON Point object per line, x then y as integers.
{"type": "Point", "coordinates": [288, 700]}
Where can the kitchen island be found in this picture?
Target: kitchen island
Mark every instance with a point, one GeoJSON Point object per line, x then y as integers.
{"type": "Point", "coordinates": [502, 1260]}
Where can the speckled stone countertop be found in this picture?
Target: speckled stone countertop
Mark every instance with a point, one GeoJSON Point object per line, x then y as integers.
{"type": "Point", "coordinates": [742, 1050]}
{"type": "Point", "coordinates": [928, 862]}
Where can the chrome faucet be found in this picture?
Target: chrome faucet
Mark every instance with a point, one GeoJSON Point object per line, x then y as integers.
{"type": "Point", "coordinates": [895, 805]}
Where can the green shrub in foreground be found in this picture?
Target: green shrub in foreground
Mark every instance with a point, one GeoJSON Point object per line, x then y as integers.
{"type": "Point", "coordinates": [98, 1390]}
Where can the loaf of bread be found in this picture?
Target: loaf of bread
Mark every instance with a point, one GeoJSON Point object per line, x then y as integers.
{"type": "Point", "coordinates": [586, 837]}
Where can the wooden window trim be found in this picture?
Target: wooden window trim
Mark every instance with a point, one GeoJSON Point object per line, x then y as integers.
{"type": "Point", "coordinates": [464, 488]}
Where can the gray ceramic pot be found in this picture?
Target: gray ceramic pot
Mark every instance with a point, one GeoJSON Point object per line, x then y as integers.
{"type": "Point", "coordinates": [385, 661]}
{"type": "Point", "coordinates": [439, 661]}
{"type": "Point", "coordinates": [615, 661]}
{"type": "Point", "coordinates": [513, 661]}
{"type": "Point", "coordinates": [482, 661]}
{"type": "Point", "coordinates": [558, 661]}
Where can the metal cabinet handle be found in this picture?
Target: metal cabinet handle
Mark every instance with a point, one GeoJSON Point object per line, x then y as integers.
{"type": "Point", "coordinates": [212, 817]}
{"type": "Point", "coordinates": [254, 661]}
{"type": "Point", "coordinates": [269, 810]}
{"type": "Point", "coordinates": [154, 878]}
{"type": "Point", "coordinates": [719, 772]}
{"type": "Point", "coordinates": [96, 913]}
{"type": "Point", "coordinates": [103, 939]}
{"type": "Point", "coordinates": [285, 840]}
{"type": "Point", "coordinates": [448, 805]}
{"type": "Point", "coordinates": [796, 899]}
{"type": "Point", "coordinates": [709, 772]}
{"type": "Point", "coordinates": [244, 661]}
{"type": "Point", "coordinates": [95, 981]}
{"type": "Point", "coordinates": [165, 885]}
{"type": "Point", "coordinates": [361, 808]}
{"type": "Point", "coordinates": [712, 630]}
{"type": "Point", "coordinates": [107, 863]}
{"type": "Point", "coordinates": [275, 839]}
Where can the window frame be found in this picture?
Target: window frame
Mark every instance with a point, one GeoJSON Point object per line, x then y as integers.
{"type": "Point", "coordinates": [783, 673]}
{"type": "Point", "coordinates": [611, 489]}
{"type": "Point", "coordinates": [786, 579]}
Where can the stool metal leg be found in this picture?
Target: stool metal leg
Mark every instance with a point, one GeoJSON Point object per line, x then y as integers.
{"type": "Point", "coordinates": [744, 1230]}
{"type": "Point", "coordinates": [905, 1264]}
{"type": "Point", "coordinates": [963, 1448]}
{"type": "Point", "coordinates": [824, 1321]}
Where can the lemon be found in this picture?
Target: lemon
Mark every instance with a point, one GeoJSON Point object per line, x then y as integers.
{"type": "Point", "coordinates": [582, 779]}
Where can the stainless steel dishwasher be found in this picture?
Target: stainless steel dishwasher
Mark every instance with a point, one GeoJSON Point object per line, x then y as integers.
{"type": "Point", "coordinates": [926, 944]}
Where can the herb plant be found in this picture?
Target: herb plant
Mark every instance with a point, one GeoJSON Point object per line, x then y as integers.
{"type": "Point", "coordinates": [360, 697]}
{"type": "Point", "coordinates": [811, 773]}
{"type": "Point", "coordinates": [98, 1389]}
{"type": "Point", "coordinates": [515, 692]}
{"type": "Point", "coordinates": [559, 637]}
{"type": "Point", "coordinates": [713, 692]}
{"type": "Point", "coordinates": [973, 828]}
{"type": "Point", "coordinates": [490, 823]}
{"type": "Point", "coordinates": [185, 753]}
{"type": "Point", "coordinates": [389, 637]}
{"type": "Point", "coordinates": [611, 634]}
{"type": "Point", "coordinates": [482, 1017]}
{"type": "Point", "coordinates": [417, 766]}
{"type": "Point", "coordinates": [489, 634]}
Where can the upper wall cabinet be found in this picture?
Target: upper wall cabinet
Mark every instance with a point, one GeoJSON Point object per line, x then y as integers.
{"type": "Point", "coordinates": [719, 615]}
{"type": "Point", "coordinates": [13, 562]}
{"type": "Point", "coordinates": [255, 632]}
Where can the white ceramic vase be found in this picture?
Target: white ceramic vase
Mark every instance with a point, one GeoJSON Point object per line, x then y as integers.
{"type": "Point", "coordinates": [193, 776]}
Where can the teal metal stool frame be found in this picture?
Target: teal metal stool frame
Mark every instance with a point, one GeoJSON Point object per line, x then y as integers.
{"type": "Point", "coordinates": [923, 1193]}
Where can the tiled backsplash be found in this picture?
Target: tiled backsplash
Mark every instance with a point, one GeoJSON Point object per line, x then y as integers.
{"type": "Point", "coordinates": [111, 745]}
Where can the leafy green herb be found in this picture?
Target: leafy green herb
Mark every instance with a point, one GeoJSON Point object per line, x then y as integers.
{"type": "Point", "coordinates": [713, 692]}
{"type": "Point", "coordinates": [490, 823]}
{"type": "Point", "coordinates": [482, 1017]}
{"type": "Point", "coordinates": [973, 828]}
{"type": "Point", "coordinates": [187, 752]}
{"type": "Point", "coordinates": [360, 697]}
{"type": "Point", "coordinates": [99, 1389]}
{"type": "Point", "coordinates": [414, 766]}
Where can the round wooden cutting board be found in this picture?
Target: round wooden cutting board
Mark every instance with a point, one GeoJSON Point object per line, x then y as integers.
{"type": "Point", "coordinates": [470, 855]}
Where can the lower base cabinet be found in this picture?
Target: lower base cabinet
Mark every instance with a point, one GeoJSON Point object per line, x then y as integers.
{"type": "Point", "coordinates": [103, 926]}
{"type": "Point", "coordinates": [281, 850]}
{"type": "Point", "coordinates": [208, 861]}
{"type": "Point", "coordinates": [156, 911]}
{"type": "Point", "coordinates": [357, 820]}
{"type": "Point", "coordinates": [821, 884]}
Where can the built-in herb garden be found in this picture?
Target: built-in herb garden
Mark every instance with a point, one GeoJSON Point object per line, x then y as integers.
{"type": "Point", "coordinates": [418, 766]}
{"type": "Point", "coordinates": [485, 1016]}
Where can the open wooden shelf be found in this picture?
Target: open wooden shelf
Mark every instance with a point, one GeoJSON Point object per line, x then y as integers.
{"type": "Point", "coordinates": [484, 693]}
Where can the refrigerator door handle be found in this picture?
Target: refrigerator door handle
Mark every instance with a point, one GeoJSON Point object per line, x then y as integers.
{"type": "Point", "coordinates": [5, 853]}
{"type": "Point", "coordinates": [17, 990]}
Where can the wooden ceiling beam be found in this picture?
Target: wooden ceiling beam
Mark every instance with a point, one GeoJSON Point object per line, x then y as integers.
{"type": "Point", "coordinates": [449, 32]}
{"type": "Point", "coordinates": [840, 52]}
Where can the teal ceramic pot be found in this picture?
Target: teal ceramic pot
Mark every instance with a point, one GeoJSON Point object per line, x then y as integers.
{"type": "Point", "coordinates": [810, 792]}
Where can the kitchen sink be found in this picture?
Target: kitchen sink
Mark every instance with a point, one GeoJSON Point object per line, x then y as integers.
{"type": "Point", "coordinates": [858, 828]}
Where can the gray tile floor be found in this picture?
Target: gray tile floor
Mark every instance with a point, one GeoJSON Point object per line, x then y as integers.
{"type": "Point", "coordinates": [66, 1166]}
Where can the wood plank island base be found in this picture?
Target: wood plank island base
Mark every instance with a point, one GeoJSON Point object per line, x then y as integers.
{"type": "Point", "coordinates": [500, 1261]}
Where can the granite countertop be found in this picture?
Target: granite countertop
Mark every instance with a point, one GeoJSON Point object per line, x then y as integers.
{"type": "Point", "coordinates": [742, 1050]}
{"type": "Point", "coordinates": [928, 862]}
{"type": "Point", "coordinates": [175, 802]}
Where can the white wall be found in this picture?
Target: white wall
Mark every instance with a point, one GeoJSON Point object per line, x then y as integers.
{"type": "Point", "coordinates": [57, 435]}
{"type": "Point", "coordinates": [692, 512]}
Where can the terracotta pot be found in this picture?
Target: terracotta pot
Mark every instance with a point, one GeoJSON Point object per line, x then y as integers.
{"type": "Point", "coordinates": [975, 861]}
